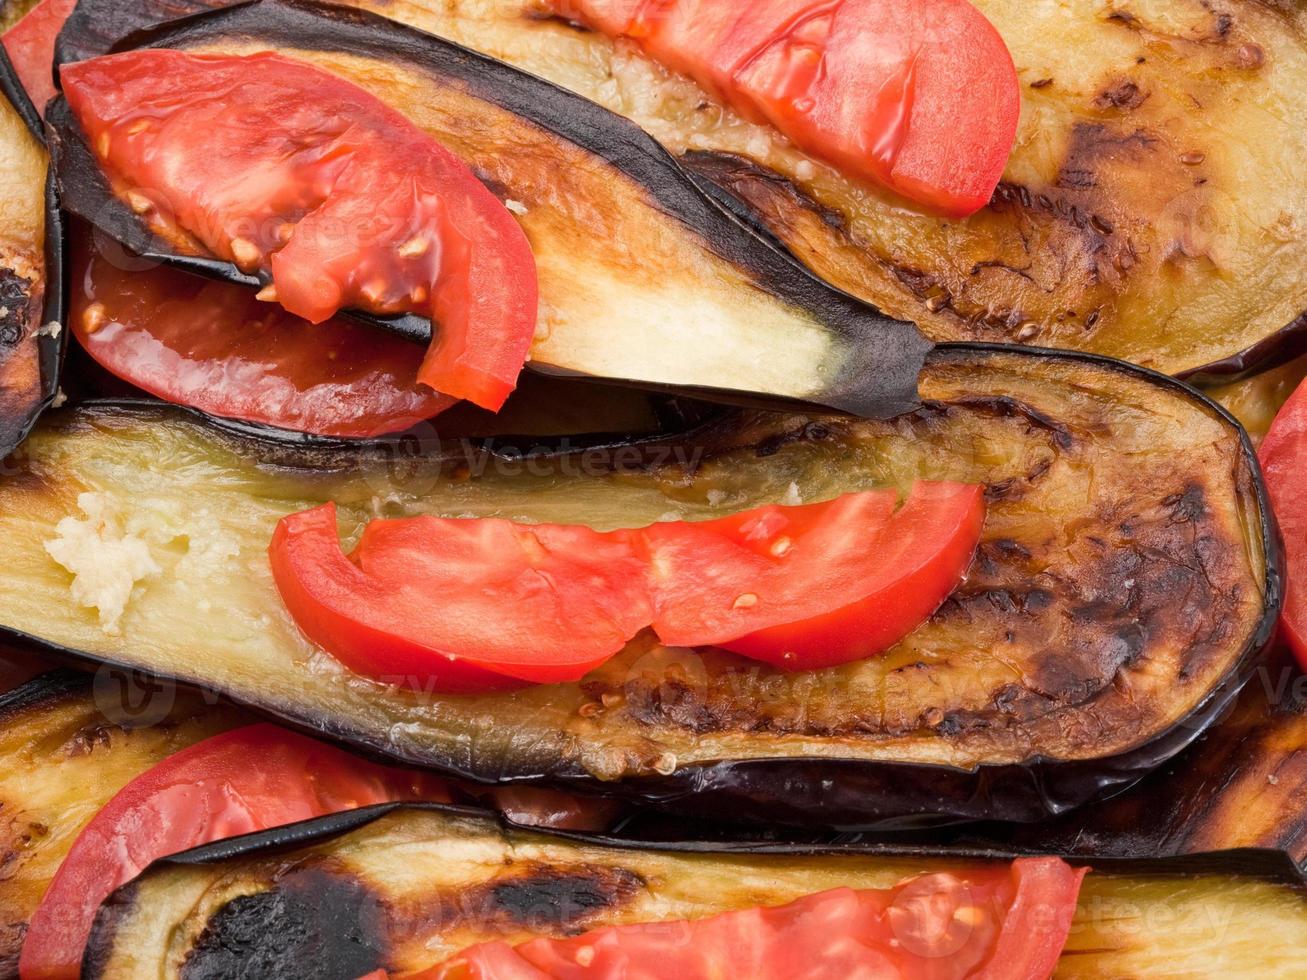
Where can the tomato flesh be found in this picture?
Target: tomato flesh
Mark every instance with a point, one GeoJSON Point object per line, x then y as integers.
{"type": "Point", "coordinates": [461, 605]}
{"type": "Point", "coordinates": [920, 96]}
{"type": "Point", "coordinates": [213, 346]}
{"type": "Point", "coordinates": [997, 923]}
{"type": "Point", "coordinates": [288, 170]}
{"type": "Point", "coordinates": [236, 783]}
{"type": "Point", "coordinates": [817, 585]}
{"type": "Point", "coordinates": [471, 605]}
{"type": "Point", "coordinates": [30, 46]}
{"type": "Point", "coordinates": [1283, 455]}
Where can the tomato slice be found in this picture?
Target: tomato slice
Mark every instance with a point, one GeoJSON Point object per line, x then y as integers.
{"type": "Point", "coordinates": [30, 46]}
{"type": "Point", "coordinates": [287, 169]}
{"type": "Point", "coordinates": [215, 347]}
{"type": "Point", "coordinates": [816, 585]}
{"type": "Point", "coordinates": [242, 781]}
{"type": "Point", "coordinates": [997, 923]}
{"type": "Point", "coordinates": [462, 605]}
{"type": "Point", "coordinates": [1283, 455]}
{"type": "Point", "coordinates": [471, 605]}
{"type": "Point", "coordinates": [920, 96]}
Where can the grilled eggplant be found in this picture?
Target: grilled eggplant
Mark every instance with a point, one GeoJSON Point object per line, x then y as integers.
{"type": "Point", "coordinates": [1151, 209]}
{"type": "Point", "coordinates": [1241, 786]}
{"type": "Point", "coordinates": [416, 886]}
{"type": "Point", "coordinates": [31, 286]}
{"type": "Point", "coordinates": [69, 742]}
{"type": "Point", "coordinates": [1127, 578]}
{"type": "Point", "coordinates": [1256, 401]}
{"type": "Point", "coordinates": [642, 277]}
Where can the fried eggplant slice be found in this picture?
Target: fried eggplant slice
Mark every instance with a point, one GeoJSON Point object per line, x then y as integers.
{"type": "Point", "coordinates": [68, 743]}
{"type": "Point", "coordinates": [416, 886]}
{"type": "Point", "coordinates": [1151, 209]}
{"type": "Point", "coordinates": [642, 277]}
{"type": "Point", "coordinates": [1241, 786]}
{"type": "Point", "coordinates": [31, 285]}
{"type": "Point", "coordinates": [1127, 579]}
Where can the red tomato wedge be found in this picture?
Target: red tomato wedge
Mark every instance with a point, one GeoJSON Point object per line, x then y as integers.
{"type": "Point", "coordinates": [462, 605]}
{"type": "Point", "coordinates": [213, 346]}
{"type": "Point", "coordinates": [286, 169]}
{"type": "Point", "coordinates": [471, 605]}
{"type": "Point", "coordinates": [816, 585]}
{"type": "Point", "coordinates": [30, 46]}
{"type": "Point", "coordinates": [1283, 455]}
{"type": "Point", "coordinates": [920, 96]}
{"type": "Point", "coordinates": [995, 923]}
{"type": "Point", "coordinates": [236, 783]}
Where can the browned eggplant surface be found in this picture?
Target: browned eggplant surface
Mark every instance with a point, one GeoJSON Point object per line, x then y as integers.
{"type": "Point", "coordinates": [1257, 400]}
{"type": "Point", "coordinates": [1243, 784]}
{"type": "Point", "coordinates": [417, 886]}
{"type": "Point", "coordinates": [642, 277]}
{"type": "Point", "coordinates": [1125, 583]}
{"type": "Point", "coordinates": [1152, 209]}
{"type": "Point", "coordinates": [31, 290]}
{"type": "Point", "coordinates": [68, 743]}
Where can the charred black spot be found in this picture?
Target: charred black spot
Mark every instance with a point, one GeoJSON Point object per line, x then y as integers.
{"type": "Point", "coordinates": [1188, 506]}
{"type": "Point", "coordinates": [15, 294]}
{"type": "Point", "coordinates": [1123, 95]}
{"type": "Point", "coordinates": [530, 896]}
{"type": "Point", "coordinates": [1004, 406]}
{"type": "Point", "coordinates": [1008, 602]}
{"type": "Point", "coordinates": [756, 186]}
{"type": "Point", "coordinates": [556, 898]}
{"type": "Point", "coordinates": [86, 740]}
{"type": "Point", "coordinates": [311, 924]}
{"type": "Point", "coordinates": [812, 432]}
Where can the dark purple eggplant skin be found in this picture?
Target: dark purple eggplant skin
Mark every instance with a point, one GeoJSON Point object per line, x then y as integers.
{"type": "Point", "coordinates": [1255, 862]}
{"type": "Point", "coordinates": [14, 427]}
{"type": "Point", "coordinates": [325, 911]}
{"type": "Point", "coordinates": [1238, 787]}
{"type": "Point", "coordinates": [854, 795]}
{"type": "Point", "coordinates": [1283, 345]}
{"type": "Point", "coordinates": [98, 25]}
{"type": "Point", "coordinates": [878, 379]}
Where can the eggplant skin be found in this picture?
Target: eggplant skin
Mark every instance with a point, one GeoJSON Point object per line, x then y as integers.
{"type": "Point", "coordinates": [31, 281]}
{"type": "Point", "coordinates": [414, 886]}
{"type": "Point", "coordinates": [68, 742]}
{"type": "Point", "coordinates": [1241, 786]}
{"type": "Point", "coordinates": [620, 234]}
{"type": "Point", "coordinates": [1125, 587]}
{"type": "Point", "coordinates": [1151, 209]}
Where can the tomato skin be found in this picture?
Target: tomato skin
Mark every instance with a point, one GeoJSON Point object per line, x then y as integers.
{"type": "Point", "coordinates": [242, 781]}
{"type": "Point", "coordinates": [284, 168]}
{"type": "Point", "coordinates": [1283, 456]}
{"type": "Point", "coordinates": [460, 606]}
{"type": "Point", "coordinates": [1004, 923]}
{"type": "Point", "coordinates": [920, 96]}
{"type": "Point", "coordinates": [213, 346]}
{"type": "Point", "coordinates": [815, 586]}
{"type": "Point", "coordinates": [30, 46]}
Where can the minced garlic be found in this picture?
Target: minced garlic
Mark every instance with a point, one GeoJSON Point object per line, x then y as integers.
{"type": "Point", "coordinates": [106, 559]}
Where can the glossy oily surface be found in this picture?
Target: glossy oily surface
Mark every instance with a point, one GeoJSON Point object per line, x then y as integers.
{"type": "Point", "coordinates": [448, 881]}
{"type": "Point", "coordinates": [216, 347]}
{"type": "Point", "coordinates": [1058, 648]}
{"type": "Point", "coordinates": [919, 96]}
{"type": "Point", "coordinates": [342, 201]}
